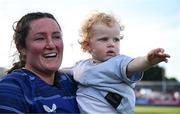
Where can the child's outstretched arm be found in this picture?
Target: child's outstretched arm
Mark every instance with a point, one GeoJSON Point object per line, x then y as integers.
{"type": "Point", "coordinates": [154, 57]}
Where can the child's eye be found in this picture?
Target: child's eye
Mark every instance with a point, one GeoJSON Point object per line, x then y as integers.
{"type": "Point", "coordinates": [103, 39]}
{"type": "Point", "coordinates": [116, 39]}
{"type": "Point", "coordinates": [57, 37]}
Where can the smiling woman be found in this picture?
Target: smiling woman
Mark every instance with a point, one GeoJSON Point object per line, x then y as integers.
{"type": "Point", "coordinates": [44, 42]}
{"type": "Point", "coordinates": [34, 84]}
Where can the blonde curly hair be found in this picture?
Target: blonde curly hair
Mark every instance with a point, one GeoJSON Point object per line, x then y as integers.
{"type": "Point", "coordinates": [94, 18]}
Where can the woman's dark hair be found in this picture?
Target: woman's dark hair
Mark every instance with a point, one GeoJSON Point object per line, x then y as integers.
{"type": "Point", "coordinates": [21, 31]}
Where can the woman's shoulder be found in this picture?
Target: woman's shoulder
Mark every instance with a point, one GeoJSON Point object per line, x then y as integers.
{"type": "Point", "coordinates": [18, 78]}
{"type": "Point", "coordinates": [15, 75]}
{"type": "Point", "coordinates": [16, 86]}
{"type": "Point", "coordinates": [67, 80]}
{"type": "Point", "coordinates": [65, 75]}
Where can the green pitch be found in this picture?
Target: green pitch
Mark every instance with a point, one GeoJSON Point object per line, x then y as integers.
{"type": "Point", "coordinates": [157, 110]}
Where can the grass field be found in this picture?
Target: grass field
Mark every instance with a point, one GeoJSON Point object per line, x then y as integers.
{"type": "Point", "coordinates": [157, 110]}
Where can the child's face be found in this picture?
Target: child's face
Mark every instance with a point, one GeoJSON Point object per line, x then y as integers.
{"type": "Point", "coordinates": [104, 42]}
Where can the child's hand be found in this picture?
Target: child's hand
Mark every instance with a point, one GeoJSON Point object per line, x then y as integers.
{"type": "Point", "coordinates": [156, 56]}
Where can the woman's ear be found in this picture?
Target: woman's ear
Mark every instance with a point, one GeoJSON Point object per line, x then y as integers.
{"type": "Point", "coordinates": [21, 50]}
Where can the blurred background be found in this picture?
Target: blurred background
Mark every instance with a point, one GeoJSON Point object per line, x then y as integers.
{"type": "Point", "coordinates": [148, 24]}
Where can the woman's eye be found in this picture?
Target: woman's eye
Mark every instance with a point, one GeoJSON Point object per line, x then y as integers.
{"type": "Point", "coordinates": [39, 38]}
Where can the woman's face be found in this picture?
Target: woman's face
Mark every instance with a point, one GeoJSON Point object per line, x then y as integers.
{"type": "Point", "coordinates": [44, 46]}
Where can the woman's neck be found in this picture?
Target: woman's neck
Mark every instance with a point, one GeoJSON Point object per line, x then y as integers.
{"type": "Point", "coordinates": [46, 76]}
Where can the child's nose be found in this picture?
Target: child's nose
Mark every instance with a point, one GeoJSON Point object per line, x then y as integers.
{"type": "Point", "coordinates": [111, 43]}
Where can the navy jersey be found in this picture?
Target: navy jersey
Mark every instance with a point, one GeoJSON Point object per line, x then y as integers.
{"type": "Point", "coordinates": [23, 92]}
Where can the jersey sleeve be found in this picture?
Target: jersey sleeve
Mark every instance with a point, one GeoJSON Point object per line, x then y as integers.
{"type": "Point", "coordinates": [11, 96]}
{"type": "Point", "coordinates": [123, 71]}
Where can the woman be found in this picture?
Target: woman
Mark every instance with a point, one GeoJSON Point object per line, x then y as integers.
{"type": "Point", "coordinates": [34, 85]}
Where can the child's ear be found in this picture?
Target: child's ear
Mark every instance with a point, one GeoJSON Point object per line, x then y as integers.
{"type": "Point", "coordinates": [88, 47]}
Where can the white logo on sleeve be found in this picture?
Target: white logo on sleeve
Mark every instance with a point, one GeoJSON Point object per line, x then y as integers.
{"type": "Point", "coordinates": [47, 109]}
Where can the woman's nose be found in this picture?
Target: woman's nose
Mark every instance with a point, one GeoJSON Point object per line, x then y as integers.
{"type": "Point", "coordinates": [50, 43]}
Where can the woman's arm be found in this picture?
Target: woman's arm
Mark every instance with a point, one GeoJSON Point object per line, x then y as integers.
{"type": "Point", "coordinates": [11, 97]}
